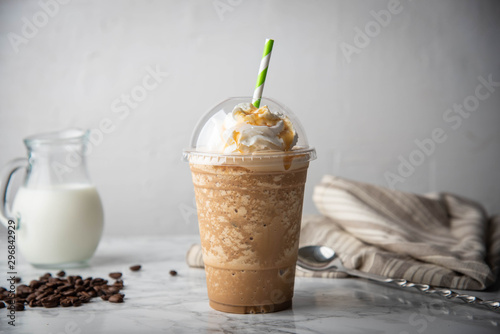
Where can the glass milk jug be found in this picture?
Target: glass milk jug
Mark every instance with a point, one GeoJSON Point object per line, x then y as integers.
{"type": "Point", "coordinates": [57, 213]}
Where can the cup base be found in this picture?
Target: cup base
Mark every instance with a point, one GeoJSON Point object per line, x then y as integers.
{"type": "Point", "coordinates": [67, 265]}
{"type": "Point", "coordinates": [250, 309]}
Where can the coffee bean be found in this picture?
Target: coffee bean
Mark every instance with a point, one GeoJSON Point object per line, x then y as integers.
{"type": "Point", "coordinates": [118, 285]}
{"type": "Point", "coordinates": [113, 289]}
{"type": "Point", "coordinates": [99, 281]}
{"type": "Point", "coordinates": [104, 297]}
{"type": "Point", "coordinates": [17, 279]}
{"type": "Point", "coordinates": [118, 282]}
{"type": "Point", "coordinates": [55, 280]}
{"type": "Point", "coordinates": [19, 307]}
{"type": "Point", "coordinates": [44, 299]}
{"type": "Point", "coordinates": [84, 293]}
{"type": "Point", "coordinates": [61, 273]}
{"type": "Point", "coordinates": [50, 303]}
{"type": "Point", "coordinates": [173, 273]}
{"type": "Point", "coordinates": [23, 290]}
{"type": "Point", "coordinates": [137, 267]}
{"type": "Point", "coordinates": [69, 292]}
{"type": "Point", "coordinates": [43, 287]}
{"type": "Point", "coordinates": [115, 275]}
{"type": "Point", "coordinates": [55, 297]}
{"type": "Point", "coordinates": [31, 297]}
{"type": "Point", "coordinates": [34, 284]}
{"type": "Point", "coordinates": [84, 299]}
{"type": "Point", "coordinates": [64, 287]}
{"type": "Point", "coordinates": [76, 302]}
{"type": "Point", "coordinates": [65, 303]}
{"type": "Point", "coordinates": [42, 295]}
{"type": "Point", "coordinates": [2, 305]}
{"type": "Point", "coordinates": [116, 298]}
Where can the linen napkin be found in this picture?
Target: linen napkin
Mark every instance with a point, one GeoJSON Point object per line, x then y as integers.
{"type": "Point", "coordinates": [438, 239]}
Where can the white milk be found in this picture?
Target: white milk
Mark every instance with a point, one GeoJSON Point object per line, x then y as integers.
{"type": "Point", "coordinates": [59, 224]}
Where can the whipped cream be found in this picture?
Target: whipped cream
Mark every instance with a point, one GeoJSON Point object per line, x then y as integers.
{"type": "Point", "coordinates": [248, 129]}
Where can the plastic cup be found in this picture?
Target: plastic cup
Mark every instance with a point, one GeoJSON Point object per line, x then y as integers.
{"type": "Point", "coordinates": [249, 213]}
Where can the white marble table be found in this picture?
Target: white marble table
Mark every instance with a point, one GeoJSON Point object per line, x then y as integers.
{"type": "Point", "coordinates": [156, 302]}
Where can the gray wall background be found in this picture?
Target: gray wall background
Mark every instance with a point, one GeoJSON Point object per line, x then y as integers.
{"type": "Point", "coordinates": [365, 98]}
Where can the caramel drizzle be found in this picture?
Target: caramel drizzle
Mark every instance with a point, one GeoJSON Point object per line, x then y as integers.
{"type": "Point", "coordinates": [262, 117]}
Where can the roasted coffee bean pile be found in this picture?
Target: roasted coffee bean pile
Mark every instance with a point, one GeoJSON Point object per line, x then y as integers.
{"type": "Point", "coordinates": [49, 291]}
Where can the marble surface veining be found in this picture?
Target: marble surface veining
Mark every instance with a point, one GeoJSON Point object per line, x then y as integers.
{"type": "Point", "coordinates": [156, 302]}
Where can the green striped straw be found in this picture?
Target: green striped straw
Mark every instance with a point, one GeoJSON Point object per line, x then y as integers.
{"type": "Point", "coordinates": [261, 79]}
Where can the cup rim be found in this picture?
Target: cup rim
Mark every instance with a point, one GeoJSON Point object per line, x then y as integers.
{"type": "Point", "coordinates": [54, 137]}
{"type": "Point", "coordinates": [260, 158]}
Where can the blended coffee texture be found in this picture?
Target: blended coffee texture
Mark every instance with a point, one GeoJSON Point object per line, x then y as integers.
{"type": "Point", "coordinates": [249, 225]}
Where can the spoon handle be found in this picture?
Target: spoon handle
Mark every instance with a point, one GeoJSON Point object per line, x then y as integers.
{"type": "Point", "coordinates": [424, 288]}
{"type": "Point", "coordinates": [446, 293]}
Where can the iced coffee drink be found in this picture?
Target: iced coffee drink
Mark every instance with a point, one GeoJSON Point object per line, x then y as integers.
{"type": "Point", "coordinates": [249, 169]}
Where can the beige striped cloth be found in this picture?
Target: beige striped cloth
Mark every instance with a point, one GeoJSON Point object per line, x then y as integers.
{"type": "Point", "coordinates": [441, 239]}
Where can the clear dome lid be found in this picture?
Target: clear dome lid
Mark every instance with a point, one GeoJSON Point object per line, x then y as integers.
{"type": "Point", "coordinates": [202, 150]}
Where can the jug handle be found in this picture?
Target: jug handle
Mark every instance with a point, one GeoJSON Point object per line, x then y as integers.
{"type": "Point", "coordinates": [5, 178]}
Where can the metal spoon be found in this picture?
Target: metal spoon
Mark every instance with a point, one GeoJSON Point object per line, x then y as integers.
{"type": "Point", "coordinates": [323, 258]}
